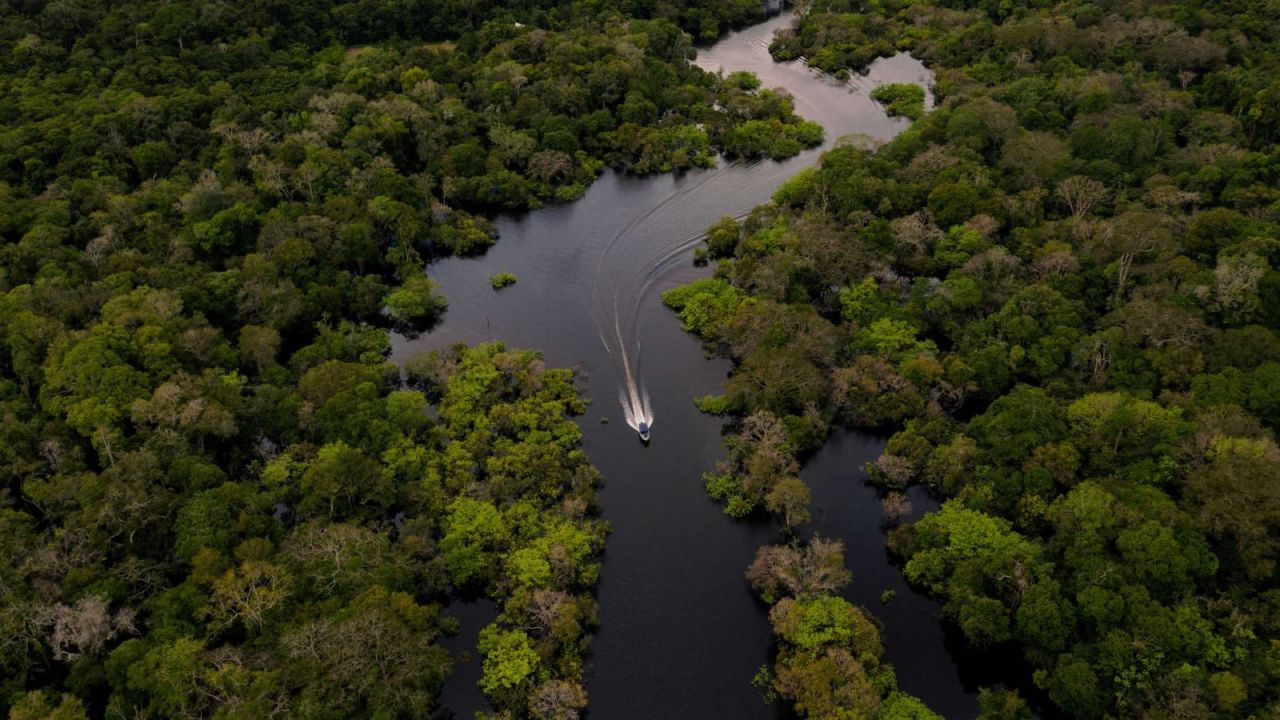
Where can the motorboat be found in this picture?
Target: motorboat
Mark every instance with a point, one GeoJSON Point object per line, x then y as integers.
{"type": "Point", "coordinates": [644, 432]}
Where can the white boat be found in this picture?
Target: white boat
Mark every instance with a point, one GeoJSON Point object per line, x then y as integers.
{"type": "Point", "coordinates": [644, 432]}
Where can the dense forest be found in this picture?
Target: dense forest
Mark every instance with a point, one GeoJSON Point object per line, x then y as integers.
{"type": "Point", "coordinates": [219, 498]}
{"type": "Point", "coordinates": [1059, 291]}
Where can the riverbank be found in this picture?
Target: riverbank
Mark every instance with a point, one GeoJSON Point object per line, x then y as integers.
{"type": "Point", "coordinates": [680, 634]}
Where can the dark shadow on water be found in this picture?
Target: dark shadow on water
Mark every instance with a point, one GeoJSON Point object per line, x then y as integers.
{"type": "Point", "coordinates": [461, 697]}
{"type": "Point", "coordinates": [845, 507]}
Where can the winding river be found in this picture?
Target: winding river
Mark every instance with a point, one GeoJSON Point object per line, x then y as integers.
{"type": "Point", "coordinates": [681, 635]}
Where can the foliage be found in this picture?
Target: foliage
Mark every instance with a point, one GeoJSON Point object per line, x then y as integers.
{"type": "Point", "coordinates": [1058, 290]}
{"type": "Point", "coordinates": [502, 280]}
{"type": "Point", "coordinates": [704, 305]}
{"type": "Point", "coordinates": [211, 543]}
{"type": "Point", "coordinates": [905, 99]}
{"type": "Point", "coordinates": [219, 501]}
{"type": "Point", "coordinates": [415, 302]}
{"type": "Point", "coordinates": [828, 663]}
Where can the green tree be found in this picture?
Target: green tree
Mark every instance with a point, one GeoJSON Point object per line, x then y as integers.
{"type": "Point", "coordinates": [416, 303]}
{"type": "Point", "coordinates": [509, 659]}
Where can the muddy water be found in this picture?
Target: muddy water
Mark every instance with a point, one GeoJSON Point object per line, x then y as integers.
{"type": "Point", "coordinates": [681, 635]}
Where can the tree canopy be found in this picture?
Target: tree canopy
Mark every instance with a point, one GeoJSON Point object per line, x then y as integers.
{"type": "Point", "coordinates": [1058, 291]}
{"type": "Point", "coordinates": [219, 498]}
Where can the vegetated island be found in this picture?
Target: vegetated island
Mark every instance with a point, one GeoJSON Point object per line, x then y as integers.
{"type": "Point", "coordinates": [502, 280]}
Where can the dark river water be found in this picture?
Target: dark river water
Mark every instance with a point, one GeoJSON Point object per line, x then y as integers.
{"type": "Point", "coordinates": [681, 635]}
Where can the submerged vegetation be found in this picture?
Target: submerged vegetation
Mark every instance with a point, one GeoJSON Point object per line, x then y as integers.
{"type": "Point", "coordinates": [1059, 291]}
{"type": "Point", "coordinates": [828, 663]}
{"type": "Point", "coordinates": [502, 280]}
{"type": "Point", "coordinates": [905, 99]}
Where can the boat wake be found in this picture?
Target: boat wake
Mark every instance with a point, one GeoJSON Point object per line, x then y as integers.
{"type": "Point", "coordinates": [618, 326]}
{"type": "Point", "coordinates": [635, 405]}
{"type": "Point", "coordinates": [638, 260]}
{"type": "Point", "coordinates": [632, 395]}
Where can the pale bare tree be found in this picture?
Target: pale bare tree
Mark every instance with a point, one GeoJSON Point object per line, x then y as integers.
{"type": "Point", "coordinates": [894, 470]}
{"type": "Point", "coordinates": [338, 554]}
{"type": "Point", "coordinates": [86, 627]}
{"type": "Point", "coordinates": [550, 165]}
{"type": "Point", "coordinates": [272, 176]}
{"type": "Point", "coordinates": [784, 570]}
{"type": "Point", "coordinates": [1159, 323]}
{"type": "Point", "coordinates": [1134, 235]}
{"type": "Point", "coordinates": [916, 233]}
{"type": "Point", "coordinates": [1235, 285]}
{"type": "Point", "coordinates": [558, 700]}
{"type": "Point", "coordinates": [97, 250]}
{"type": "Point", "coordinates": [247, 593]}
{"type": "Point", "coordinates": [1080, 194]}
{"type": "Point", "coordinates": [544, 608]}
{"type": "Point", "coordinates": [1056, 262]}
{"type": "Point", "coordinates": [896, 506]}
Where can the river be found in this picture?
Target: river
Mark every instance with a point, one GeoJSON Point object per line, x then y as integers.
{"type": "Point", "coordinates": [681, 635]}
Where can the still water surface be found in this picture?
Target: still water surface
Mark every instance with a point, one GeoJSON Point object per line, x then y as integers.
{"type": "Point", "coordinates": [681, 634]}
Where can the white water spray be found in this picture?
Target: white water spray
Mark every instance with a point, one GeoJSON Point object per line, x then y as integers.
{"type": "Point", "coordinates": [635, 406]}
{"type": "Point", "coordinates": [633, 396]}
